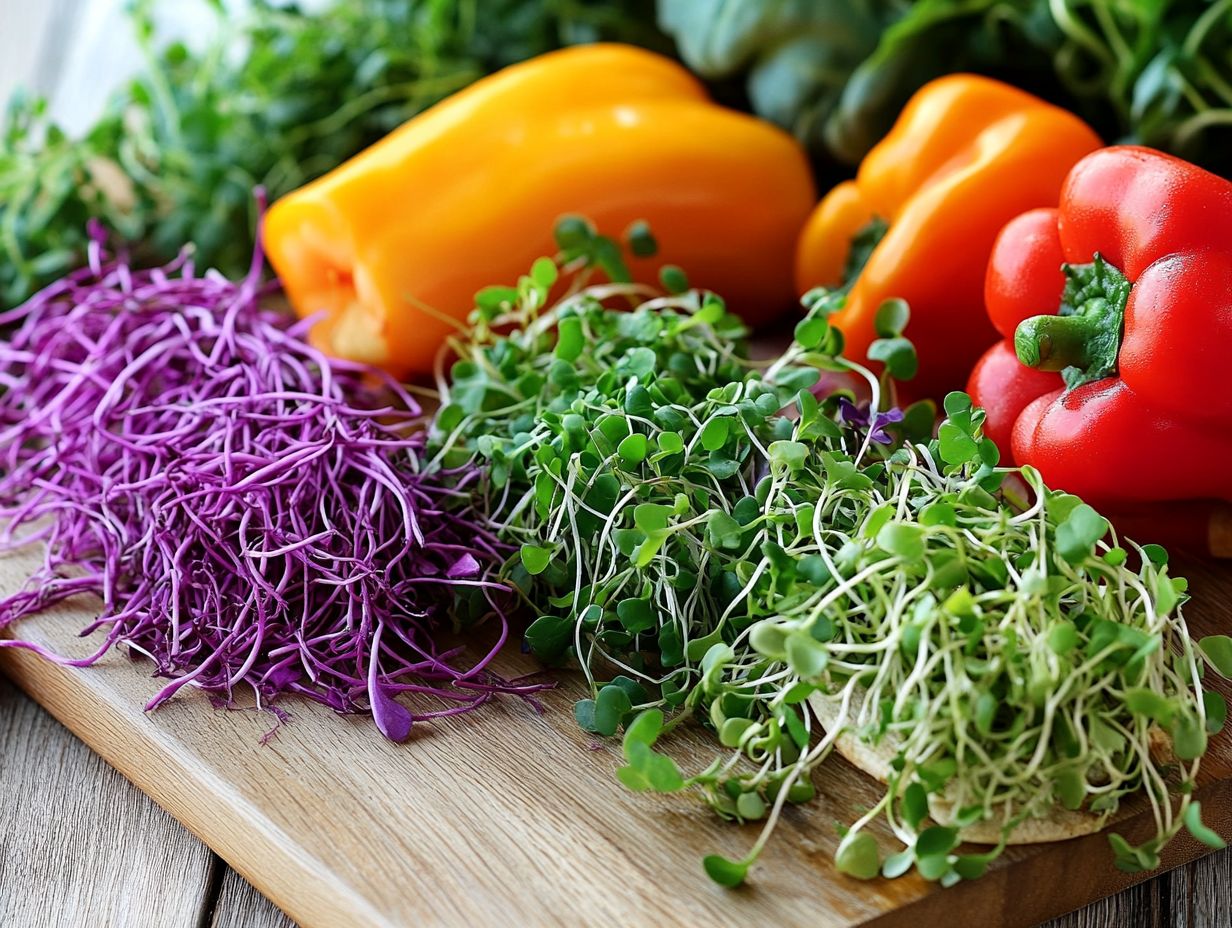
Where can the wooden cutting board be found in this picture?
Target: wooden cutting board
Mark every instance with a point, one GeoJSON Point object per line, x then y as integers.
{"type": "Point", "coordinates": [514, 818]}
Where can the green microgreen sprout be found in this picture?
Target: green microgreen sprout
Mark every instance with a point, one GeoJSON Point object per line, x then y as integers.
{"type": "Point", "coordinates": [739, 544]}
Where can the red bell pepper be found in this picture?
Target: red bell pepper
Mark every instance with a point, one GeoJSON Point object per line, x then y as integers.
{"type": "Point", "coordinates": [1115, 379]}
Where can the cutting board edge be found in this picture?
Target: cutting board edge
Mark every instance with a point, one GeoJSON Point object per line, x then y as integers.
{"type": "Point", "coordinates": [1088, 855]}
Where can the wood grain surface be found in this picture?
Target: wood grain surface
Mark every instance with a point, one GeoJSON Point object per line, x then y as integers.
{"type": "Point", "coordinates": [241, 906]}
{"type": "Point", "coordinates": [77, 846]}
{"type": "Point", "coordinates": [511, 816]}
{"type": "Point", "coordinates": [1194, 896]}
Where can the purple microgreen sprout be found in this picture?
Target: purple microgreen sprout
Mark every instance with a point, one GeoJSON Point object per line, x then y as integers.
{"type": "Point", "coordinates": [251, 513]}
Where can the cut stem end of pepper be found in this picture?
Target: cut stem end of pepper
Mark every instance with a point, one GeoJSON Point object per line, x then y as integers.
{"type": "Point", "coordinates": [1053, 343]}
{"type": "Point", "coordinates": [1083, 341]}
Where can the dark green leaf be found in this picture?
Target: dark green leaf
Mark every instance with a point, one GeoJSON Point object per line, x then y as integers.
{"type": "Point", "coordinates": [636, 615]}
{"type": "Point", "coordinates": [673, 279]}
{"type": "Point", "coordinates": [535, 558]}
{"type": "Point", "coordinates": [1216, 711]}
{"type": "Point", "coordinates": [725, 872]}
{"type": "Point", "coordinates": [1193, 822]}
{"type": "Point", "coordinates": [915, 806]}
{"type": "Point", "coordinates": [936, 840]}
{"type": "Point", "coordinates": [891, 318]}
{"type": "Point", "coordinates": [549, 637]}
{"type": "Point", "coordinates": [641, 242]}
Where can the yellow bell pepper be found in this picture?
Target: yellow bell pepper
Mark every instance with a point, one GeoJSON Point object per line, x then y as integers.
{"type": "Point", "coordinates": [966, 156]}
{"type": "Point", "coordinates": [395, 243]}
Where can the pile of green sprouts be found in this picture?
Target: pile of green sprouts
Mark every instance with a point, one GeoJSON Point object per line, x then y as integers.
{"type": "Point", "coordinates": [728, 541]}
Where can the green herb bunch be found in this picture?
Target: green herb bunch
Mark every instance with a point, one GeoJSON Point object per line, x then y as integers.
{"type": "Point", "coordinates": [280, 97]}
{"type": "Point", "coordinates": [836, 73]}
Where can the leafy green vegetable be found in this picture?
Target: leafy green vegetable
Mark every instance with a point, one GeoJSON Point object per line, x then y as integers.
{"type": "Point", "coordinates": [836, 73]}
{"type": "Point", "coordinates": [278, 98]}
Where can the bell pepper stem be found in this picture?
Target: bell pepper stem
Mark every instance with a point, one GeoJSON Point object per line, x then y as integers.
{"type": "Point", "coordinates": [1053, 343]}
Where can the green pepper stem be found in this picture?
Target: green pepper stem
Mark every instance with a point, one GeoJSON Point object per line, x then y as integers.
{"type": "Point", "coordinates": [1053, 343]}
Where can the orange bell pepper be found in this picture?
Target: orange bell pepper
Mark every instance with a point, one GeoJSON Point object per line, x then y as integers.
{"type": "Point", "coordinates": [966, 155]}
{"type": "Point", "coordinates": [395, 243]}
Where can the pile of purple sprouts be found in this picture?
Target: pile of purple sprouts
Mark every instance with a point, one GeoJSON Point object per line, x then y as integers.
{"type": "Point", "coordinates": [249, 512]}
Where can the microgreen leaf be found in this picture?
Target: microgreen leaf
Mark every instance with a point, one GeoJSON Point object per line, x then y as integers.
{"type": "Point", "coordinates": [898, 355]}
{"type": "Point", "coordinates": [1070, 787]}
{"type": "Point", "coordinates": [733, 730]}
{"type": "Point", "coordinates": [903, 539]}
{"type": "Point", "coordinates": [956, 403]}
{"type": "Point", "coordinates": [549, 637]}
{"type": "Point", "coordinates": [673, 279]}
{"type": "Point", "coordinates": [806, 656]}
{"type": "Point", "coordinates": [1216, 708]}
{"type": "Point", "coordinates": [891, 318]}
{"type": "Point", "coordinates": [610, 707]}
{"type": "Point", "coordinates": [788, 456]}
{"type": "Point", "coordinates": [573, 232]}
{"type": "Point", "coordinates": [584, 713]}
{"type": "Point", "coordinates": [535, 558]}
{"type": "Point", "coordinates": [725, 872]}
{"type": "Point", "coordinates": [971, 866]}
{"type": "Point", "coordinates": [915, 805]}
{"type": "Point", "coordinates": [1193, 822]}
{"type": "Point", "coordinates": [1156, 554]}
{"type": "Point", "coordinates": [750, 806]}
{"type": "Point", "coordinates": [1188, 737]}
{"type": "Point", "coordinates": [810, 331]}
{"type": "Point", "coordinates": [570, 341]}
{"type": "Point", "coordinates": [1217, 649]}
{"type": "Point", "coordinates": [651, 517]}
{"type": "Point", "coordinates": [858, 856]}
{"type": "Point", "coordinates": [636, 615]}
{"type": "Point", "coordinates": [633, 449]}
{"type": "Point", "coordinates": [1062, 637]}
{"type": "Point", "coordinates": [1077, 535]}
{"type": "Point", "coordinates": [1148, 703]}
{"type": "Point", "coordinates": [714, 433]}
{"type": "Point", "coordinates": [957, 446]}
{"type": "Point", "coordinates": [936, 840]}
{"type": "Point", "coordinates": [644, 729]}
{"type": "Point", "coordinates": [641, 241]}
{"type": "Point", "coordinates": [723, 531]}
{"type": "Point", "coordinates": [649, 770]}
{"type": "Point", "coordinates": [543, 272]}
{"type": "Point", "coordinates": [770, 639]}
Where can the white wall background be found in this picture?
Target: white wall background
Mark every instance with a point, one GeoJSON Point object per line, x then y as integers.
{"type": "Point", "coordinates": [75, 52]}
